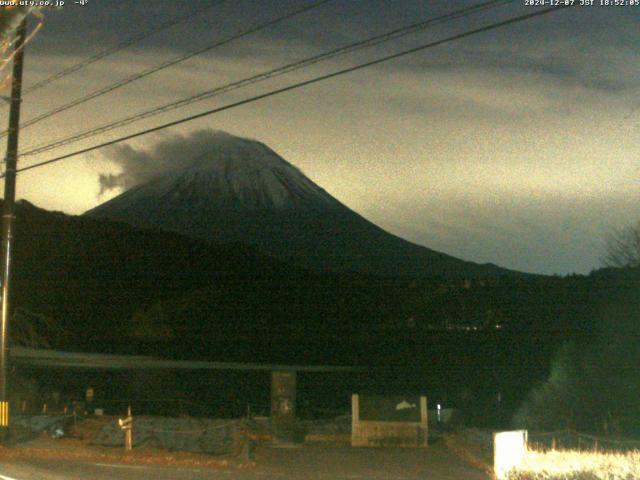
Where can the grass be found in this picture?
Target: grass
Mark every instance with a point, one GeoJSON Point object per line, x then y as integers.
{"type": "Point", "coordinates": [476, 449]}
{"type": "Point", "coordinates": [574, 465]}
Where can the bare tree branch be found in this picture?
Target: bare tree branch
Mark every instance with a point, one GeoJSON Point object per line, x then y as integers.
{"type": "Point", "coordinates": [623, 247]}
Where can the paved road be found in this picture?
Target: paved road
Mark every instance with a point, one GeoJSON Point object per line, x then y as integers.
{"type": "Point", "coordinates": [307, 463]}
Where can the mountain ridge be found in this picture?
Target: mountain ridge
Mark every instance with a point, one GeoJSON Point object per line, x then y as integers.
{"type": "Point", "coordinates": [240, 190]}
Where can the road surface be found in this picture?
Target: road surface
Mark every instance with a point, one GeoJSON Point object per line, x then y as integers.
{"type": "Point", "coordinates": [311, 462]}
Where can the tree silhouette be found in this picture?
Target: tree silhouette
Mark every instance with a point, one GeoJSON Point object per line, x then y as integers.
{"type": "Point", "coordinates": [623, 247]}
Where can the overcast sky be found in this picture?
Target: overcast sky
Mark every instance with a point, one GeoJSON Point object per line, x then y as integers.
{"type": "Point", "coordinates": [518, 147]}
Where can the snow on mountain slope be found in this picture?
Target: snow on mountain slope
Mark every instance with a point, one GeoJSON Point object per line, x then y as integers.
{"type": "Point", "coordinates": [237, 173]}
{"type": "Point", "coordinates": [242, 191]}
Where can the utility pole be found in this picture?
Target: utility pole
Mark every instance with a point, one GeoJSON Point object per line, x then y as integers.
{"type": "Point", "coordinates": [7, 223]}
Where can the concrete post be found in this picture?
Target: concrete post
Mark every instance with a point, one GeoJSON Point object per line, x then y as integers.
{"type": "Point", "coordinates": [283, 405]}
{"type": "Point", "coordinates": [424, 424]}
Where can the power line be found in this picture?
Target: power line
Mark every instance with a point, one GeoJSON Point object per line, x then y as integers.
{"type": "Point", "coordinates": [294, 86]}
{"type": "Point", "coordinates": [118, 47]}
{"type": "Point", "coordinates": [145, 73]}
{"type": "Point", "coordinates": [369, 42]}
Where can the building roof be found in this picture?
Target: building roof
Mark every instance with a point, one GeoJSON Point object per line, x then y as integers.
{"type": "Point", "coordinates": [31, 357]}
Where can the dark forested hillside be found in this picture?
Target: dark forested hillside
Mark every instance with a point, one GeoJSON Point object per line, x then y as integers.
{"type": "Point", "coordinates": [111, 287]}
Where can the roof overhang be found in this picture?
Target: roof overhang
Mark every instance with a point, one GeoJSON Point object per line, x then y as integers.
{"type": "Point", "coordinates": [39, 358]}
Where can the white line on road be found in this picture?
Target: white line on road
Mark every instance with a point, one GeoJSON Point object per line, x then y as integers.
{"type": "Point", "coordinates": [113, 465]}
{"type": "Point", "coordinates": [148, 467]}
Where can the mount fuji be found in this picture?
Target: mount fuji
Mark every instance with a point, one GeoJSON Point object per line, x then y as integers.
{"type": "Point", "coordinates": [242, 191]}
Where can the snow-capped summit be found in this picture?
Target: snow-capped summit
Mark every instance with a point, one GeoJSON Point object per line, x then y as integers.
{"type": "Point", "coordinates": [240, 190]}
{"type": "Point", "coordinates": [234, 173]}
{"type": "Point", "coordinates": [237, 171]}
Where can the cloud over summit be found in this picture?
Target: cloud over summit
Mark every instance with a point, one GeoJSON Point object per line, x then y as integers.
{"type": "Point", "coordinates": [140, 165]}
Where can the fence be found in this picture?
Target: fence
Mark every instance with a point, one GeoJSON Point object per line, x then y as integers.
{"type": "Point", "coordinates": [210, 436]}
{"type": "Point", "coordinates": [569, 439]}
{"type": "Point", "coordinates": [530, 454]}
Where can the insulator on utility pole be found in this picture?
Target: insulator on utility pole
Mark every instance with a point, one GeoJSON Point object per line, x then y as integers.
{"type": "Point", "coordinates": [10, 20]}
{"type": "Point", "coordinates": [7, 223]}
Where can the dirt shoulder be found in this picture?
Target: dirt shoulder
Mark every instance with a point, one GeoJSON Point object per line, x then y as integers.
{"type": "Point", "coordinates": [46, 448]}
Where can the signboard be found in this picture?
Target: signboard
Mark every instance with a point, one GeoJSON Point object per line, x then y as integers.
{"type": "Point", "coordinates": [396, 420]}
{"type": "Point", "coordinates": [390, 408]}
